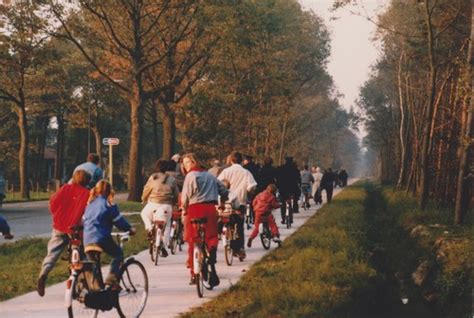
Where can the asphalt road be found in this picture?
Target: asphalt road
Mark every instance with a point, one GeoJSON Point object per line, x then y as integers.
{"type": "Point", "coordinates": [169, 292]}
{"type": "Point", "coordinates": [32, 219]}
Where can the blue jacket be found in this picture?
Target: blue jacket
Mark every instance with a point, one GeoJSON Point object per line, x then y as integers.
{"type": "Point", "coordinates": [4, 228]}
{"type": "Point", "coordinates": [99, 218]}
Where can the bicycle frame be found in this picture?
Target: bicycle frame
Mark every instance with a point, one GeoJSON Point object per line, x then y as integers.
{"type": "Point", "coordinates": [199, 251]}
{"type": "Point", "coordinates": [77, 267]}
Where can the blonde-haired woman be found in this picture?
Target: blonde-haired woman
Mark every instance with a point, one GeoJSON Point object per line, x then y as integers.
{"type": "Point", "coordinates": [99, 218]}
{"type": "Point", "coordinates": [199, 199]}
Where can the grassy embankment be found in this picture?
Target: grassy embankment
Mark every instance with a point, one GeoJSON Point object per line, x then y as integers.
{"type": "Point", "coordinates": [20, 262]}
{"type": "Point", "coordinates": [353, 259]}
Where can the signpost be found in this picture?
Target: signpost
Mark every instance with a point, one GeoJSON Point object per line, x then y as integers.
{"type": "Point", "coordinates": [111, 142]}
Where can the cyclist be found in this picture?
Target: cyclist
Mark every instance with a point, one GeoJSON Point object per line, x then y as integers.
{"type": "Point", "coordinates": [100, 216]}
{"type": "Point", "coordinates": [288, 182]}
{"type": "Point", "coordinates": [67, 207]}
{"type": "Point", "coordinates": [306, 181]}
{"type": "Point", "coordinates": [199, 198]}
{"type": "Point", "coordinates": [317, 175]}
{"type": "Point", "coordinates": [233, 201]}
{"type": "Point", "coordinates": [241, 183]}
{"type": "Point", "coordinates": [267, 175]}
{"type": "Point", "coordinates": [160, 193]}
{"type": "Point", "coordinates": [5, 229]}
{"type": "Point", "coordinates": [263, 205]}
{"type": "Point", "coordinates": [91, 166]}
{"type": "Point", "coordinates": [327, 183]}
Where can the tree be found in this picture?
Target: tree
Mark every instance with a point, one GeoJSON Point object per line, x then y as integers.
{"type": "Point", "coordinates": [138, 44]}
{"type": "Point", "coordinates": [20, 56]}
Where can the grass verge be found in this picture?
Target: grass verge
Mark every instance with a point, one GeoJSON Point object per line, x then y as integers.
{"type": "Point", "coordinates": [20, 262]}
{"type": "Point", "coordinates": [352, 259]}
{"type": "Point", "coordinates": [12, 197]}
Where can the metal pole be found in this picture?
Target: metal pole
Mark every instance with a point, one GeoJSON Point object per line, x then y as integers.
{"type": "Point", "coordinates": [111, 165]}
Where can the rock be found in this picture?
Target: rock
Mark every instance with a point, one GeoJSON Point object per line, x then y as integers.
{"type": "Point", "coordinates": [421, 273]}
{"type": "Point", "coordinates": [420, 230]}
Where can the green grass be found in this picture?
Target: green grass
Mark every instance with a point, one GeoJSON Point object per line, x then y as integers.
{"type": "Point", "coordinates": [353, 259]}
{"type": "Point", "coordinates": [12, 197]}
{"type": "Point", "coordinates": [129, 206]}
{"type": "Point", "coordinates": [20, 262]}
{"type": "Point", "coordinates": [316, 273]}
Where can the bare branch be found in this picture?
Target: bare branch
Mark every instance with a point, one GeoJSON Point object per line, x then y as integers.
{"type": "Point", "coordinates": [69, 36]}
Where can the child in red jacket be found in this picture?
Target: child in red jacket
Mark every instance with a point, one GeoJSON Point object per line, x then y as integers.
{"type": "Point", "coordinates": [263, 204]}
{"type": "Point", "coordinates": [67, 207]}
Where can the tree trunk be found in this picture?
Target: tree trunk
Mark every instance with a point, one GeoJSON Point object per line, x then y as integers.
{"type": "Point", "coordinates": [426, 143]}
{"type": "Point", "coordinates": [135, 179]}
{"type": "Point", "coordinates": [169, 131]}
{"type": "Point", "coordinates": [283, 132]}
{"type": "Point", "coordinates": [462, 195]}
{"type": "Point", "coordinates": [23, 152]}
{"type": "Point", "coordinates": [98, 143]}
{"type": "Point", "coordinates": [59, 162]}
{"type": "Point", "coordinates": [154, 120]}
{"type": "Point", "coordinates": [402, 124]}
{"type": "Point", "coordinates": [40, 148]}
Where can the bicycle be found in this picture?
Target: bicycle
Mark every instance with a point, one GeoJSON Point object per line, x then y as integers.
{"type": "Point", "coordinates": [201, 267]}
{"type": "Point", "coordinates": [288, 213]}
{"type": "Point", "coordinates": [86, 292]}
{"type": "Point", "coordinates": [303, 201]}
{"type": "Point", "coordinates": [156, 240]}
{"type": "Point", "coordinates": [249, 216]}
{"type": "Point", "coordinates": [176, 233]}
{"type": "Point", "coordinates": [266, 235]}
{"type": "Point", "coordinates": [229, 233]}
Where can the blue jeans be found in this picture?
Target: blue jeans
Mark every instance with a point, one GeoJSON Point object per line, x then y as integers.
{"type": "Point", "coordinates": [110, 247]}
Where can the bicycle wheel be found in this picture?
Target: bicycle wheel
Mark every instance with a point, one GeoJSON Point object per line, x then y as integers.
{"type": "Point", "coordinates": [173, 244]}
{"type": "Point", "coordinates": [265, 237]}
{"type": "Point", "coordinates": [288, 216]}
{"type": "Point", "coordinates": [154, 252]}
{"type": "Point", "coordinates": [228, 252]}
{"type": "Point", "coordinates": [206, 275]}
{"type": "Point", "coordinates": [78, 308]}
{"type": "Point", "coordinates": [157, 253]}
{"type": "Point", "coordinates": [199, 285]}
{"type": "Point", "coordinates": [134, 289]}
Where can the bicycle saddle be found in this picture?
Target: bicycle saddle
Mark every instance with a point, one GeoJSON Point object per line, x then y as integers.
{"type": "Point", "coordinates": [76, 227]}
{"type": "Point", "coordinates": [93, 248]}
{"type": "Point", "coordinates": [199, 221]}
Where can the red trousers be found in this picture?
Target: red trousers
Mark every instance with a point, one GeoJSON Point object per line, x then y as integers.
{"type": "Point", "coordinates": [271, 223]}
{"type": "Point", "coordinates": [191, 235]}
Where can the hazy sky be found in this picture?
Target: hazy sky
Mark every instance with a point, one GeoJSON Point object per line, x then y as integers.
{"type": "Point", "coordinates": [352, 51]}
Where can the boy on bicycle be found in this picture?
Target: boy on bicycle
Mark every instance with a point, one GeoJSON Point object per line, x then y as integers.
{"type": "Point", "coordinates": [263, 204]}
{"type": "Point", "coordinates": [67, 207]}
{"type": "Point", "coordinates": [99, 218]}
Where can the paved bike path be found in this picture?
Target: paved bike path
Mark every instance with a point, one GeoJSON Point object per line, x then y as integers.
{"type": "Point", "coordinates": [169, 292]}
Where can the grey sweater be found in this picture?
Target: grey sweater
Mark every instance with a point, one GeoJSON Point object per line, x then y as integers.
{"type": "Point", "coordinates": [200, 187]}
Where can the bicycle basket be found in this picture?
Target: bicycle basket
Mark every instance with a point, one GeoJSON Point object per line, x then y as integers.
{"type": "Point", "coordinates": [101, 299]}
